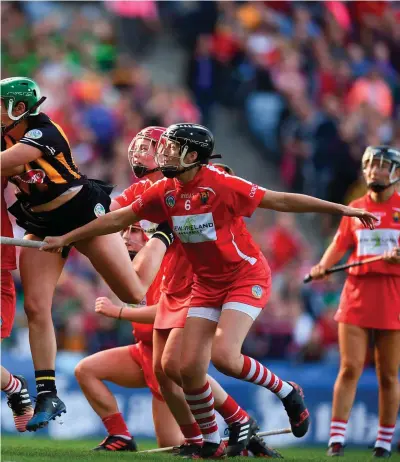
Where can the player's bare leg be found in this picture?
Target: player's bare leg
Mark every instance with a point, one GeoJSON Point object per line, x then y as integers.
{"type": "Point", "coordinates": [16, 389]}
{"type": "Point", "coordinates": [40, 272]}
{"type": "Point", "coordinates": [198, 335]}
{"type": "Point", "coordinates": [353, 343]}
{"type": "Point", "coordinates": [232, 413]}
{"type": "Point", "coordinates": [233, 327]}
{"type": "Point", "coordinates": [116, 366]}
{"type": "Point", "coordinates": [387, 360]}
{"type": "Point", "coordinates": [172, 392]}
{"type": "Point", "coordinates": [109, 257]}
{"type": "Point", "coordinates": [166, 427]}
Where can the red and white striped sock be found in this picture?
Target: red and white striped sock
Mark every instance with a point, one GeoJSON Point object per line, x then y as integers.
{"type": "Point", "coordinates": [255, 372]}
{"type": "Point", "coordinates": [338, 431]}
{"type": "Point", "coordinates": [13, 386]}
{"type": "Point", "coordinates": [192, 433]}
{"type": "Point", "coordinates": [201, 404]}
{"type": "Point", "coordinates": [232, 412]}
{"type": "Point", "coordinates": [116, 426]}
{"type": "Point", "coordinates": [385, 436]}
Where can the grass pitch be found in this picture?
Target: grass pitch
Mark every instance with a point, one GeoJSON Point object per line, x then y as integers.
{"type": "Point", "coordinates": [20, 449]}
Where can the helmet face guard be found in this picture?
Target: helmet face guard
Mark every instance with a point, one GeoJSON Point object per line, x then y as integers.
{"type": "Point", "coordinates": [142, 149]}
{"type": "Point", "coordinates": [134, 239]}
{"type": "Point", "coordinates": [180, 140]}
{"type": "Point", "coordinates": [384, 154]}
{"type": "Point", "coordinates": [170, 157]}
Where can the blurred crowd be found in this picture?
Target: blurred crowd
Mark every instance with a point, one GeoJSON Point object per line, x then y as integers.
{"type": "Point", "coordinates": [315, 82]}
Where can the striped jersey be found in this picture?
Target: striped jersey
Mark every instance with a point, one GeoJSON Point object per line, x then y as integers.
{"type": "Point", "coordinates": [54, 172]}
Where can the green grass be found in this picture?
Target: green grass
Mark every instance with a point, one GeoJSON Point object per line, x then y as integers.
{"type": "Point", "coordinates": [20, 449]}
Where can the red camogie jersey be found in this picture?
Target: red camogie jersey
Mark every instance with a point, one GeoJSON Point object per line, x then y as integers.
{"type": "Point", "coordinates": [8, 254]}
{"type": "Point", "coordinates": [368, 243]}
{"type": "Point", "coordinates": [176, 270]}
{"type": "Point", "coordinates": [205, 215]}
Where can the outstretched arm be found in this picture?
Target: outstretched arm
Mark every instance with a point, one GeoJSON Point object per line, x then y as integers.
{"type": "Point", "coordinates": [300, 203]}
{"type": "Point", "coordinates": [107, 224]}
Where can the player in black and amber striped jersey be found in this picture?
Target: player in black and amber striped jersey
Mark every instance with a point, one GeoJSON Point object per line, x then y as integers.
{"type": "Point", "coordinates": [55, 171]}
{"type": "Point", "coordinates": [53, 198]}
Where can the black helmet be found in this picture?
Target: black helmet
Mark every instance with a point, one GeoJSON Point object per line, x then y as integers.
{"type": "Point", "coordinates": [185, 138]}
{"type": "Point", "coordinates": [383, 153]}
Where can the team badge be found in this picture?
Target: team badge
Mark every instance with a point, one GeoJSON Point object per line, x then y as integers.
{"type": "Point", "coordinates": [170, 201]}
{"type": "Point", "coordinates": [204, 196]}
{"type": "Point", "coordinates": [99, 210]}
{"type": "Point", "coordinates": [256, 291]}
{"type": "Point", "coordinates": [396, 217]}
{"type": "Point", "coordinates": [34, 134]}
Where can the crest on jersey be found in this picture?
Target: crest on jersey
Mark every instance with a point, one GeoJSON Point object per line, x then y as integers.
{"type": "Point", "coordinates": [99, 210]}
{"type": "Point", "coordinates": [204, 196]}
{"type": "Point", "coordinates": [256, 291]}
{"type": "Point", "coordinates": [170, 201]}
{"type": "Point", "coordinates": [396, 217]}
{"type": "Point", "coordinates": [34, 134]}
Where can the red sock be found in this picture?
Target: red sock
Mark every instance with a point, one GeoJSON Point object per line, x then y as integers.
{"type": "Point", "coordinates": [201, 403]}
{"type": "Point", "coordinates": [232, 412]}
{"type": "Point", "coordinates": [255, 372]}
{"type": "Point", "coordinates": [13, 386]}
{"type": "Point", "coordinates": [192, 433]}
{"type": "Point", "coordinates": [115, 425]}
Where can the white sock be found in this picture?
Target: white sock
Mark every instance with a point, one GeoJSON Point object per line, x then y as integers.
{"type": "Point", "coordinates": [384, 439]}
{"type": "Point", "coordinates": [338, 431]}
{"type": "Point", "coordinates": [124, 437]}
{"type": "Point", "coordinates": [285, 390]}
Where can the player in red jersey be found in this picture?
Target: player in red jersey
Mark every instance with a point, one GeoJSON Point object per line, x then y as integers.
{"type": "Point", "coordinates": [177, 277]}
{"type": "Point", "coordinates": [129, 366]}
{"type": "Point", "coordinates": [15, 386]}
{"type": "Point", "coordinates": [231, 277]}
{"type": "Point", "coordinates": [370, 299]}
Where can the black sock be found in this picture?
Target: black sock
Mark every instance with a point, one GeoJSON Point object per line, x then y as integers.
{"type": "Point", "coordinates": [46, 381]}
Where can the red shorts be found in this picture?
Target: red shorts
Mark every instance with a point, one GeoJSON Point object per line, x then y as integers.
{"type": "Point", "coordinates": [172, 309]}
{"type": "Point", "coordinates": [142, 354]}
{"type": "Point", "coordinates": [8, 300]}
{"type": "Point", "coordinates": [371, 301]}
{"type": "Point", "coordinates": [248, 293]}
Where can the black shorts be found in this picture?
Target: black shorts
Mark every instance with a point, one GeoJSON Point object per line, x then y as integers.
{"type": "Point", "coordinates": [92, 201]}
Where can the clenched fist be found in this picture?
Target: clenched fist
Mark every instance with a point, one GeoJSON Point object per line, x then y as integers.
{"type": "Point", "coordinates": [392, 256]}
{"type": "Point", "coordinates": [105, 307]}
{"type": "Point", "coordinates": [318, 272]}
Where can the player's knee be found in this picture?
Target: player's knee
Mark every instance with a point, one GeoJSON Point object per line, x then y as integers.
{"type": "Point", "coordinates": [171, 369]}
{"type": "Point", "coordinates": [82, 371]}
{"type": "Point", "coordinates": [351, 370]}
{"type": "Point", "coordinates": [37, 309]}
{"type": "Point", "coordinates": [388, 380]}
{"type": "Point", "coordinates": [188, 370]}
{"type": "Point", "coordinates": [225, 359]}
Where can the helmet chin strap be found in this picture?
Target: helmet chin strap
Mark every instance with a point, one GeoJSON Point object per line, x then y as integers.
{"type": "Point", "coordinates": [379, 187]}
{"type": "Point", "coordinates": [172, 171]}
{"type": "Point", "coordinates": [140, 170]}
{"type": "Point", "coordinates": [132, 254]}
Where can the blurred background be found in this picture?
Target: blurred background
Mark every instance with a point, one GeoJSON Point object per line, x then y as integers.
{"type": "Point", "coordinates": [294, 92]}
